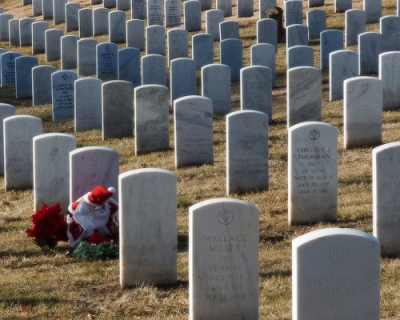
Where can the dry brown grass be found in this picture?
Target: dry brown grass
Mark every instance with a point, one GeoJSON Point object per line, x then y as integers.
{"type": "Point", "coordinates": [36, 284]}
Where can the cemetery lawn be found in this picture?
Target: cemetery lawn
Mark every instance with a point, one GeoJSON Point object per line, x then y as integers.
{"type": "Point", "coordinates": [49, 284]}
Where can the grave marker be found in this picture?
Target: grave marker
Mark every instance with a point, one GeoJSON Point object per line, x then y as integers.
{"type": "Point", "coordinates": [6, 110]}
{"type": "Point", "coordinates": [41, 84]}
{"type": "Point", "coordinates": [193, 122]}
{"type": "Point", "coordinates": [154, 69]}
{"type": "Point", "coordinates": [86, 50]}
{"type": "Point", "coordinates": [312, 173]}
{"type": "Point", "coordinates": [389, 73]}
{"type": "Point", "coordinates": [62, 84]}
{"type": "Point", "coordinates": [53, 44]}
{"type": "Point", "coordinates": [231, 54]}
{"type": "Point", "coordinates": [23, 76]}
{"type": "Point", "coordinates": [192, 15]}
{"type": "Point", "coordinates": [117, 26]}
{"type": "Point", "coordinates": [100, 21]}
{"type": "Point", "coordinates": [8, 68]}
{"type": "Point", "coordinates": [135, 34]}
{"type": "Point", "coordinates": [38, 36]}
{"type": "Point", "coordinates": [19, 131]}
{"type": "Point", "coordinates": [182, 78]}
{"type": "Point", "coordinates": [148, 201]}
{"type": "Point", "coordinates": [69, 46]}
{"type": "Point", "coordinates": [355, 24]}
{"type": "Point", "coordinates": [129, 66]}
{"type": "Point", "coordinates": [246, 151]}
{"type": "Point", "coordinates": [71, 16]}
{"type": "Point", "coordinates": [51, 169]}
{"type": "Point", "coordinates": [336, 271]}
{"type": "Point", "coordinates": [223, 260]}
{"type": "Point", "coordinates": [107, 61]}
{"type": "Point", "coordinates": [154, 13]}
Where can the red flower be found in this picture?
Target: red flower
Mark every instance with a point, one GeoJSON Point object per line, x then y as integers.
{"type": "Point", "coordinates": [49, 226]}
{"type": "Point", "coordinates": [97, 238]}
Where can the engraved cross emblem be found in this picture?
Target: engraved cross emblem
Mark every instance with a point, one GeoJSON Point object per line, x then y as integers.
{"type": "Point", "coordinates": [94, 159]}
{"type": "Point", "coordinates": [248, 122]}
{"type": "Point", "coordinates": [225, 217]}
{"type": "Point", "coordinates": [314, 134]}
{"type": "Point", "coordinates": [23, 125]}
{"type": "Point", "coordinates": [64, 76]}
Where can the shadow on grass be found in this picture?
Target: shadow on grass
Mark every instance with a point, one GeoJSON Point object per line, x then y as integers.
{"type": "Point", "coordinates": [31, 302]}
{"type": "Point", "coordinates": [281, 273]}
{"type": "Point", "coordinates": [183, 242]}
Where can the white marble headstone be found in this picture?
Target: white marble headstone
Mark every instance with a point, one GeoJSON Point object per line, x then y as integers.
{"type": "Point", "coordinates": [335, 275]}
{"type": "Point", "coordinates": [223, 260]}
{"type": "Point", "coordinates": [148, 229]}
{"type": "Point", "coordinates": [51, 169]}
{"type": "Point", "coordinates": [312, 172]}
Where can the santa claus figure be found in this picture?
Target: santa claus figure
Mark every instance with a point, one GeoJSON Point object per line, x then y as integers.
{"type": "Point", "coordinates": [93, 217]}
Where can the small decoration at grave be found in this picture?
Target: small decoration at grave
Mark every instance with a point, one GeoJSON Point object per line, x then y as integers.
{"type": "Point", "coordinates": [49, 226]}
{"type": "Point", "coordinates": [91, 225]}
{"type": "Point", "coordinates": [93, 217]}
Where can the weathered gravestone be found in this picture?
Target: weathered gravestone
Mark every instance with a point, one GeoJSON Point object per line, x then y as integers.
{"type": "Point", "coordinates": [373, 10]}
{"type": "Point", "coordinates": [7, 60]}
{"type": "Point", "coordinates": [59, 11]}
{"type": "Point", "coordinates": [23, 76]}
{"type": "Point", "coordinates": [151, 118]}
{"type": "Point", "coordinates": [312, 172]}
{"type": "Point", "coordinates": [192, 15]}
{"type": "Point", "coordinates": [293, 10]}
{"type": "Point", "coordinates": [107, 61]}
{"type": "Point", "coordinates": [172, 9]}
{"type": "Point", "coordinates": [178, 42]}
{"type": "Point", "coordinates": [267, 32]}
{"type": "Point", "coordinates": [362, 112]}
{"type": "Point", "coordinates": [315, 3]}
{"type": "Point", "coordinates": [14, 36]}
{"type": "Point", "coordinates": [343, 64]}
{"type": "Point", "coordinates": [69, 47]}
{"type": "Point", "coordinates": [41, 84]}
{"type": "Point", "coordinates": [296, 35]}
{"type": "Point", "coordinates": [90, 167]}
{"type": "Point", "coordinates": [231, 54]}
{"type": "Point", "coordinates": [229, 29]}
{"type": "Point", "coordinates": [109, 4]}
{"type": "Point", "coordinates": [182, 78]}
{"type": "Point", "coordinates": [263, 54]}
{"type": "Point", "coordinates": [304, 94]}
{"type": "Point", "coordinates": [51, 169]}
{"type": "Point", "coordinates": [193, 123]}
{"type": "Point", "coordinates": [202, 49]}
{"type": "Point", "coordinates": [154, 13]}
{"type": "Point", "coordinates": [47, 9]}
{"type": "Point", "coordinates": [355, 24]}
{"type": "Point", "coordinates": [213, 18]}
{"type": "Point", "coordinates": [154, 69]}
{"type": "Point", "coordinates": [117, 121]}
{"type": "Point", "coordinates": [36, 8]}
{"type": "Point", "coordinates": [155, 40]}
{"type": "Point", "coordinates": [38, 36]}
{"type": "Point", "coordinates": [4, 29]}
{"type": "Point", "coordinates": [135, 34]}
{"type": "Point", "coordinates": [123, 5]}
{"type": "Point", "coordinates": [25, 31]}
{"type": "Point", "coordinates": [245, 8]}
{"type": "Point", "coordinates": [139, 9]}
{"type": "Point", "coordinates": [390, 30]}
{"type": "Point", "coordinates": [389, 73]}
{"type": "Point", "coordinates": [316, 23]}
{"type": "Point", "coordinates": [117, 26]}
{"type": "Point", "coordinates": [216, 85]}
{"type": "Point", "coordinates": [300, 56]}
{"type": "Point", "coordinates": [386, 188]}
{"type": "Point", "coordinates": [18, 156]}
{"type": "Point", "coordinates": [86, 51]}
{"type": "Point", "coordinates": [225, 6]}
{"type": "Point", "coordinates": [331, 40]}
{"type": "Point", "coordinates": [6, 110]}
{"type": "Point", "coordinates": [148, 229]}
{"type": "Point", "coordinates": [223, 260]}
{"type": "Point", "coordinates": [53, 44]}
{"type": "Point", "coordinates": [246, 151]}
{"type": "Point", "coordinates": [87, 104]}
{"type": "Point", "coordinates": [343, 5]}
{"type": "Point", "coordinates": [335, 275]}
{"type": "Point", "coordinates": [129, 66]}
{"type": "Point", "coordinates": [256, 89]}
{"type": "Point", "coordinates": [62, 84]}
{"type": "Point", "coordinates": [369, 49]}
{"type": "Point", "coordinates": [72, 16]}
{"type": "Point", "coordinates": [100, 21]}
{"type": "Point", "coordinates": [85, 18]}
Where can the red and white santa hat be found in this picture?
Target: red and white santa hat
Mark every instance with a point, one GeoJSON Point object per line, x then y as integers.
{"type": "Point", "coordinates": [99, 195]}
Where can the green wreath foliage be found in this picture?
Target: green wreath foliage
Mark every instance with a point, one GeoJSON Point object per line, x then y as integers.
{"type": "Point", "coordinates": [103, 251]}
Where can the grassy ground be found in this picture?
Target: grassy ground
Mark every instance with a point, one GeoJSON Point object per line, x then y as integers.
{"type": "Point", "coordinates": [36, 284]}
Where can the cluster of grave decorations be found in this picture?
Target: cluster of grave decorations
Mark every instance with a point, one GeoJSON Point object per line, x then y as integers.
{"type": "Point", "coordinates": [335, 271]}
